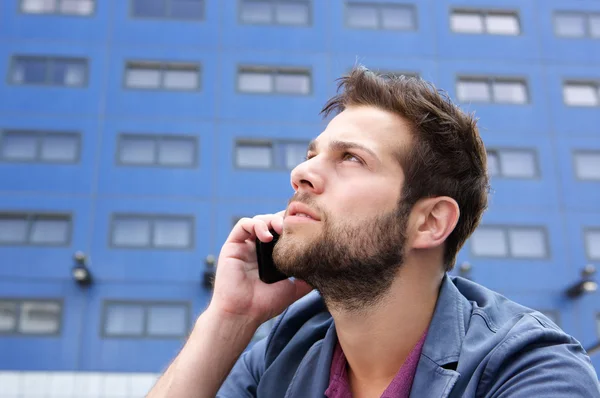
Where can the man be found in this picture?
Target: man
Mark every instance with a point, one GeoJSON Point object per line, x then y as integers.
{"type": "Point", "coordinates": [388, 194]}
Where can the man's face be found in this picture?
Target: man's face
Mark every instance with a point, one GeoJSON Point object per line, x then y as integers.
{"type": "Point", "coordinates": [344, 229]}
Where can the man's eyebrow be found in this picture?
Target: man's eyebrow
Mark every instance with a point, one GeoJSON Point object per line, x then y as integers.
{"type": "Point", "coordinates": [342, 146]}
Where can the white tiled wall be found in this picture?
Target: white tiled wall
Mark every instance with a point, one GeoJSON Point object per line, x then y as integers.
{"type": "Point", "coordinates": [75, 385]}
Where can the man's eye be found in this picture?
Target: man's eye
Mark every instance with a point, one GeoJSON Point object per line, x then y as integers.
{"type": "Point", "coordinates": [351, 157]}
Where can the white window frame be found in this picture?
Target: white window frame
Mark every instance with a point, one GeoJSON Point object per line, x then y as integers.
{"type": "Point", "coordinates": [273, 20]}
{"type": "Point", "coordinates": [158, 139]}
{"type": "Point", "coordinates": [167, 15]}
{"type": "Point", "coordinates": [505, 229]}
{"type": "Point", "coordinates": [490, 81]}
{"type": "Point", "coordinates": [58, 10]}
{"type": "Point", "coordinates": [379, 9]}
{"type": "Point", "coordinates": [49, 61]}
{"type": "Point", "coordinates": [498, 151]}
{"type": "Point", "coordinates": [145, 307]}
{"type": "Point", "coordinates": [587, 23]}
{"type": "Point", "coordinates": [19, 302]}
{"type": "Point", "coordinates": [38, 136]}
{"type": "Point", "coordinates": [30, 218]}
{"type": "Point", "coordinates": [484, 15]}
{"type": "Point", "coordinates": [152, 219]}
{"type": "Point", "coordinates": [162, 68]}
{"type": "Point", "coordinates": [273, 71]}
{"type": "Point", "coordinates": [276, 146]}
{"type": "Point", "coordinates": [594, 84]}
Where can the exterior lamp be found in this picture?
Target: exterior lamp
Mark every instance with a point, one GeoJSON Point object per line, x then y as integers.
{"type": "Point", "coordinates": [587, 283]}
{"type": "Point", "coordinates": [209, 271]}
{"type": "Point", "coordinates": [80, 271]}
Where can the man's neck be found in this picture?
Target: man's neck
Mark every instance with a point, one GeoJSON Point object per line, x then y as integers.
{"type": "Point", "coordinates": [377, 341]}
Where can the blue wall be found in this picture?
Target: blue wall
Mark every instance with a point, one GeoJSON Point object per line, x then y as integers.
{"type": "Point", "coordinates": [215, 191]}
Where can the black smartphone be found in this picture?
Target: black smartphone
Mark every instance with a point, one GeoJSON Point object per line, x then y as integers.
{"type": "Point", "coordinates": [267, 271]}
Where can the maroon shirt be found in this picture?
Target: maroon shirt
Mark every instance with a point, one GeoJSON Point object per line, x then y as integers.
{"type": "Point", "coordinates": [398, 388]}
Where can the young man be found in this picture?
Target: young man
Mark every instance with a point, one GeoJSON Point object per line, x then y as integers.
{"type": "Point", "coordinates": [388, 194]}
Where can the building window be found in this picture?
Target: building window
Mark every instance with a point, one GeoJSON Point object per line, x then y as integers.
{"type": "Point", "coordinates": [492, 90]}
{"type": "Point", "coordinates": [581, 93]}
{"type": "Point", "coordinates": [553, 315]}
{"type": "Point", "coordinates": [168, 9]}
{"type": "Point", "coordinates": [269, 154]}
{"type": "Point", "coordinates": [49, 71]}
{"type": "Point", "coordinates": [512, 163]}
{"type": "Point", "coordinates": [30, 317]}
{"type": "Point", "coordinates": [592, 243]}
{"type": "Point", "coordinates": [145, 319]}
{"type": "Point", "coordinates": [162, 75]}
{"type": "Point", "coordinates": [577, 25]}
{"type": "Point", "coordinates": [39, 146]}
{"type": "Point", "coordinates": [510, 242]}
{"type": "Point", "coordinates": [587, 165]}
{"type": "Point", "coordinates": [64, 7]}
{"type": "Point", "coordinates": [482, 22]}
{"type": "Point", "coordinates": [386, 16]}
{"type": "Point", "coordinates": [155, 232]}
{"type": "Point", "coordinates": [157, 150]}
{"type": "Point", "coordinates": [35, 229]}
{"type": "Point", "coordinates": [275, 12]}
{"type": "Point", "coordinates": [272, 80]}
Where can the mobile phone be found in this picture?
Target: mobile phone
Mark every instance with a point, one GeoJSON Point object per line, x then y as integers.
{"type": "Point", "coordinates": [267, 271]}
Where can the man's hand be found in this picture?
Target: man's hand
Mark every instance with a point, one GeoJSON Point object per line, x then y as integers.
{"type": "Point", "coordinates": [240, 303]}
{"type": "Point", "coordinates": [238, 290]}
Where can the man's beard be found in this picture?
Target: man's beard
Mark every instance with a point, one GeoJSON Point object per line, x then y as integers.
{"type": "Point", "coordinates": [351, 265]}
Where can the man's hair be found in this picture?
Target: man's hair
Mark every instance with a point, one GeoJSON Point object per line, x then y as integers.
{"type": "Point", "coordinates": [447, 156]}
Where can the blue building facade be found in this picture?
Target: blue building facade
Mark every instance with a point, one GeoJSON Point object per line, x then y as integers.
{"type": "Point", "coordinates": [137, 132]}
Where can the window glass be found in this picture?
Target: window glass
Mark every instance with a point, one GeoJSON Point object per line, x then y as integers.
{"type": "Point", "coordinates": [510, 92]}
{"type": "Point", "coordinates": [19, 146]}
{"type": "Point", "coordinates": [49, 230]}
{"type": "Point", "coordinates": [149, 8]}
{"type": "Point", "coordinates": [580, 94]}
{"type": "Point", "coordinates": [187, 9]}
{"type": "Point", "coordinates": [254, 156]}
{"type": "Point", "coordinates": [518, 164]}
{"type": "Point", "coordinates": [13, 229]}
{"type": "Point", "coordinates": [172, 233]}
{"type": "Point", "coordinates": [143, 76]}
{"type": "Point", "coordinates": [587, 165]}
{"type": "Point", "coordinates": [592, 244]}
{"type": "Point", "coordinates": [39, 318]}
{"type": "Point", "coordinates": [502, 24]}
{"type": "Point", "coordinates": [295, 154]}
{"type": "Point", "coordinates": [38, 6]}
{"type": "Point", "coordinates": [137, 150]}
{"type": "Point", "coordinates": [493, 163]}
{"type": "Point", "coordinates": [397, 18]}
{"type": "Point", "coordinates": [67, 72]}
{"type": "Point", "coordinates": [124, 320]}
{"type": "Point", "coordinates": [569, 25]}
{"type": "Point", "coordinates": [488, 241]}
{"type": "Point", "coordinates": [466, 22]}
{"type": "Point", "coordinates": [362, 16]}
{"type": "Point", "coordinates": [176, 152]}
{"type": "Point", "coordinates": [255, 82]}
{"type": "Point", "coordinates": [527, 242]}
{"type": "Point", "coordinates": [30, 71]}
{"type": "Point", "coordinates": [256, 11]}
{"type": "Point", "coordinates": [181, 78]}
{"type": "Point", "coordinates": [8, 316]}
{"type": "Point", "coordinates": [473, 90]}
{"type": "Point", "coordinates": [595, 26]}
{"type": "Point", "coordinates": [59, 147]}
{"type": "Point", "coordinates": [292, 83]}
{"type": "Point", "coordinates": [292, 13]}
{"type": "Point", "coordinates": [77, 7]}
{"type": "Point", "coordinates": [167, 320]}
{"type": "Point", "coordinates": [131, 232]}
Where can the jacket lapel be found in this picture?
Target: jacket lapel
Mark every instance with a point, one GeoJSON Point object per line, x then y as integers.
{"type": "Point", "coordinates": [436, 372]}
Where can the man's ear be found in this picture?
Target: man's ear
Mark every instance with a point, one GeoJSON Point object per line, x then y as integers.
{"type": "Point", "coordinates": [434, 219]}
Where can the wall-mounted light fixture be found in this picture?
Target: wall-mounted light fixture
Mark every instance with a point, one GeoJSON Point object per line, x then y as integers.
{"type": "Point", "coordinates": [80, 271]}
{"type": "Point", "coordinates": [587, 283]}
{"type": "Point", "coordinates": [209, 271]}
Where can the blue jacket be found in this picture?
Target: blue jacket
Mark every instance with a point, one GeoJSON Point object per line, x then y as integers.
{"type": "Point", "coordinates": [479, 344]}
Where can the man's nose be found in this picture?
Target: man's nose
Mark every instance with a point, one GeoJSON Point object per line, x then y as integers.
{"type": "Point", "coordinates": [308, 177]}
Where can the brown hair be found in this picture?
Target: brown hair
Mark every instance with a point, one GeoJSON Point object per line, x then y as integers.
{"type": "Point", "coordinates": [447, 157]}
